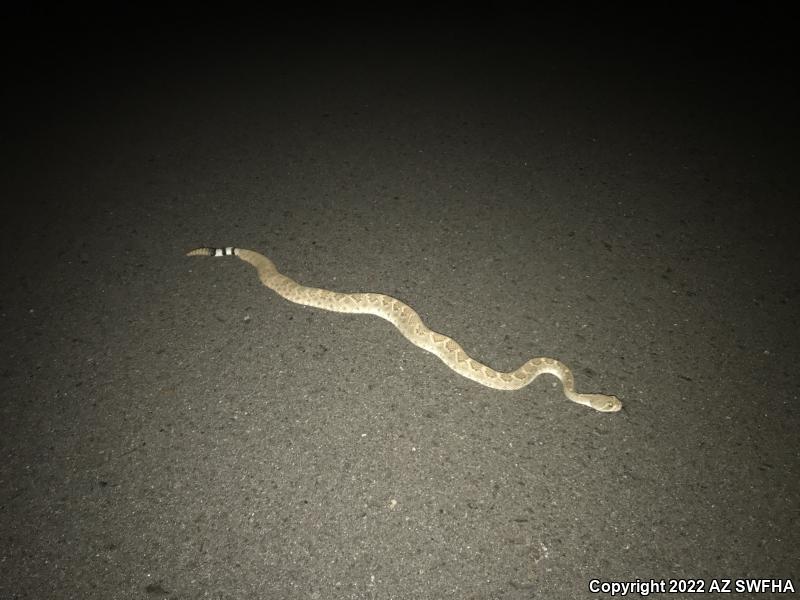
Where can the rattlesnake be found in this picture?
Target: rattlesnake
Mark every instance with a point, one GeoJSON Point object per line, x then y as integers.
{"type": "Point", "coordinates": [409, 323]}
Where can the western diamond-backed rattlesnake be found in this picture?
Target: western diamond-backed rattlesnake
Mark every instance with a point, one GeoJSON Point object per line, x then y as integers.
{"type": "Point", "coordinates": [409, 323]}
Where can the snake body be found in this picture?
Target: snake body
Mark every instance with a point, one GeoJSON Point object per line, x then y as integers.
{"type": "Point", "coordinates": [409, 323]}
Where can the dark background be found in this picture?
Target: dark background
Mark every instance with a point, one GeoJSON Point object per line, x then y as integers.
{"type": "Point", "coordinates": [617, 189]}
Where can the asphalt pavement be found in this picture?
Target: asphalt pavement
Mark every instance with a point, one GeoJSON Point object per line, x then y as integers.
{"type": "Point", "coordinates": [617, 194]}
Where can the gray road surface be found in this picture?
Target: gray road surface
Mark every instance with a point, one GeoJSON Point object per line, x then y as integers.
{"type": "Point", "coordinates": [614, 195]}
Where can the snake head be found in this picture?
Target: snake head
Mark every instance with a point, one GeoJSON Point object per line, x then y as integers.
{"type": "Point", "coordinates": [604, 403]}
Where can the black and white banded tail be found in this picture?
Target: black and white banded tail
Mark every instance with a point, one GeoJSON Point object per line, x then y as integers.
{"type": "Point", "coordinates": [229, 251]}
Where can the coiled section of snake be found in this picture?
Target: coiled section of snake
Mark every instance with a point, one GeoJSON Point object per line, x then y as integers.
{"type": "Point", "coordinates": [409, 323]}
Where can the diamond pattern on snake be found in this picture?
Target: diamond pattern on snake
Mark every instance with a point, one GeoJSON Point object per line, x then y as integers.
{"type": "Point", "coordinates": [409, 323]}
